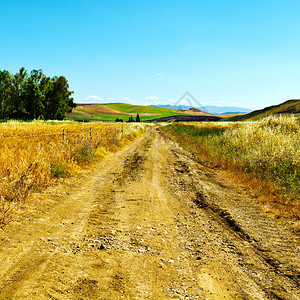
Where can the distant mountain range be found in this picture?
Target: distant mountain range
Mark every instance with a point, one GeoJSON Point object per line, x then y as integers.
{"type": "Point", "coordinates": [215, 110]}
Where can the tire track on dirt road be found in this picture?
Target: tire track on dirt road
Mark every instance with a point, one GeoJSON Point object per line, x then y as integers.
{"type": "Point", "coordinates": [270, 253]}
{"type": "Point", "coordinates": [35, 253]}
{"type": "Point", "coordinates": [150, 223]}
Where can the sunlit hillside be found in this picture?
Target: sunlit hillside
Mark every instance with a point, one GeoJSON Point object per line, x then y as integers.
{"type": "Point", "coordinates": [112, 111]}
{"type": "Point", "coordinates": [287, 107]}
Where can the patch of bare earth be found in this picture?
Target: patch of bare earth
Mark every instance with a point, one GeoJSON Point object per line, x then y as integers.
{"type": "Point", "coordinates": [149, 223]}
{"type": "Point", "coordinates": [197, 112]}
{"type": "Point", "coordinates": [98, 109]}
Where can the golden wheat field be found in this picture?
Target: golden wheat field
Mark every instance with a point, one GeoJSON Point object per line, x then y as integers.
{"type": "Point", "coordinates": [33, 155]}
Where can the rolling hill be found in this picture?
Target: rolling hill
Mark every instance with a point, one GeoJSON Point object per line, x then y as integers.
{"type": "Point", "coordinates": [288, 107]}
{"type": "Point", "coordinates": [143, 110]}
{"type": "Point", "coordinates": [112, 111]}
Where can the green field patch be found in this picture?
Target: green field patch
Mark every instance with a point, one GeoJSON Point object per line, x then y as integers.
{"type": "Point", "coordinates": [141, 109]}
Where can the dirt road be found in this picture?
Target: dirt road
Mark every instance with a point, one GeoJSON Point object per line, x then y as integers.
{"type": "Point", "coordinates": [149, 223]}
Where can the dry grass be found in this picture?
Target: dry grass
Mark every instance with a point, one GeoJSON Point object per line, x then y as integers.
{"type": "Point", "coordinates": [33, 155]}
{"type": "Point", "coordinates": [265, 154]}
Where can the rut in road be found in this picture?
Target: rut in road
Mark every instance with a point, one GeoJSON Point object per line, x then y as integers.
{"type": "Point", "coordinates": [150, 223]}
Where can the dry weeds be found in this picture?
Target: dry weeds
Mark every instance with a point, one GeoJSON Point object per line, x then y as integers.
{"type": "Point", "coordinates": [265, 154]}
{"type": "Point", "coordinates": [33, 155]}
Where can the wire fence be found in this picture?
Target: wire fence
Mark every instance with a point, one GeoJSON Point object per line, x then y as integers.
{"type": "Point", "coordinates": [63, 133]}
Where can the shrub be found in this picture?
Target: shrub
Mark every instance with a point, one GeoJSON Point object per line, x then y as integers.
{"type": "Point", "coordinates": [57, 169]}
{"type": "Point", "coordinates": [85, 152]}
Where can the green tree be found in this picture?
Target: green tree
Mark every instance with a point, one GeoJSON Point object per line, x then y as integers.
{"type": "Point", "coordinates": [131, 119]}
{"type": "Point", "coordinates": [60, 98]}
{"type": "Point", "coordinates": [5, 92]}
{"type": "Point", "coordinates": [33, 99]}
{"type": "Point", "coordinates": [17, 103]}
{"type": "Point", "coordinates": [138, 118]}
{"type": "Point", "coordinates": [46, 87]}
{"type": "Point", "coordinates": [34, 95]}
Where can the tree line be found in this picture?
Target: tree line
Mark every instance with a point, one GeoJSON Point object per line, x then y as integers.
{"type": "Point", "coordinates": [34, 95]}
{"type": "Point", "coordinates": [130, 120]}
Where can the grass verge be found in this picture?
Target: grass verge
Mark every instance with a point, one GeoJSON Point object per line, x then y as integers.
{"type": "Point", "coordinates": [265, 154]}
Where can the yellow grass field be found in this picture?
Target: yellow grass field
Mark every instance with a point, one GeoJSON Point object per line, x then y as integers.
{"type": "Point", "coordinates": [266, 153]}
{"type": "Point", "coordinates": [33, 155]}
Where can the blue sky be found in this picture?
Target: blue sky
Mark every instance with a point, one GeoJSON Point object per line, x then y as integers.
{"type": "Point", "coordinates": [226, 53]}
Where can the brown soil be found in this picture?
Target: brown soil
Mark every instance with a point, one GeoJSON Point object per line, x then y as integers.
{"type": "Point", "coordinates": [97, 109]}
{"type": "Point", "coordinates": [197, 112]}
{"type": "Point", "coordinates": [149, 223]}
